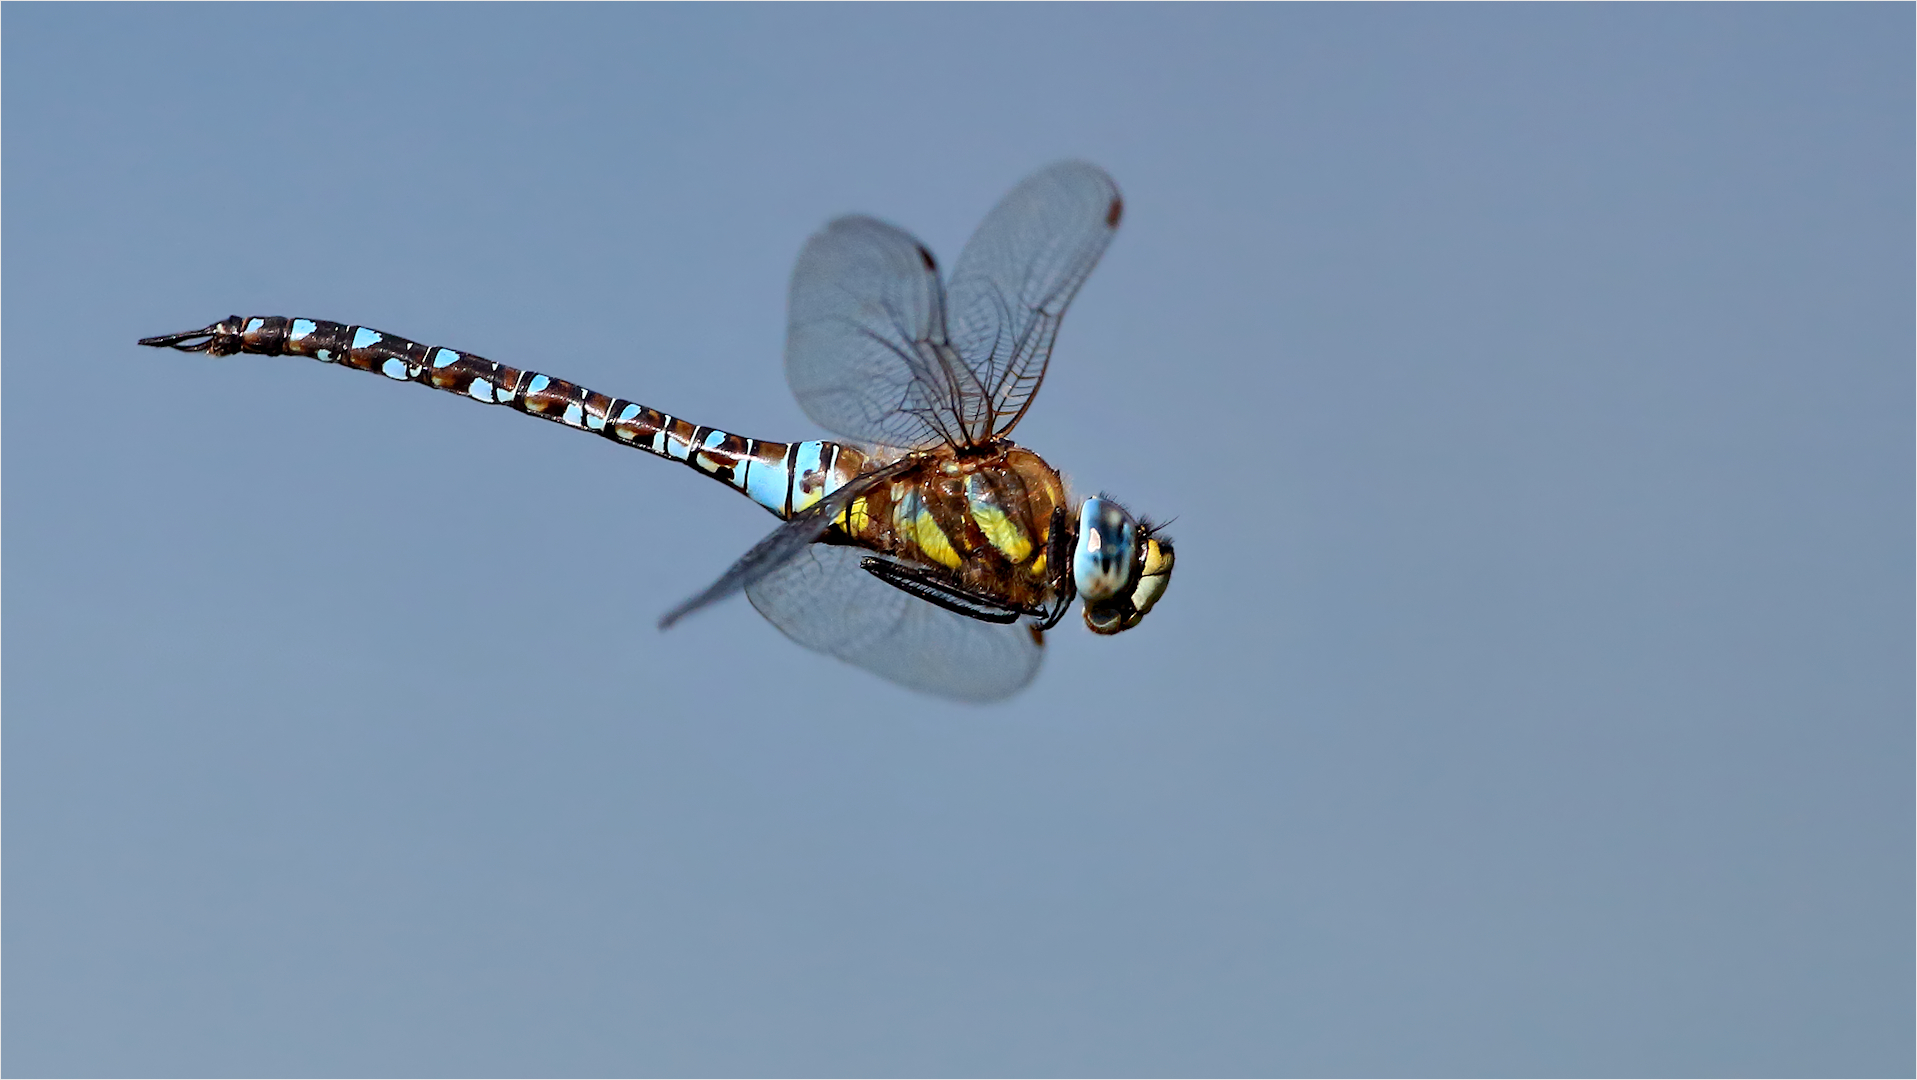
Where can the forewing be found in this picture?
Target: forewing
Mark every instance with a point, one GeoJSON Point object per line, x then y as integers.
{"type": "Point", "coordinates": [824, 600]}
{"type": "Point", "coordinates": [1018, 273]}
{"type": "Point", "coordinates": [783, 543]}
{"type": "Point", "coordinates": [865, 349]}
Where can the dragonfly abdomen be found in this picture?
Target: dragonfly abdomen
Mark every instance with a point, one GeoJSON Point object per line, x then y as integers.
{"type": "Point", "coordinates": [782, 477]}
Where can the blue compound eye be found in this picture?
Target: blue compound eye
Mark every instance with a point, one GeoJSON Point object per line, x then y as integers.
{"type": "Point", "coordinates": [1106, 558]}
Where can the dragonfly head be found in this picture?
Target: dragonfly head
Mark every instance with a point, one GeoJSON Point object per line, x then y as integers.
{"type": "Point", "coordinates": [1121, 567]}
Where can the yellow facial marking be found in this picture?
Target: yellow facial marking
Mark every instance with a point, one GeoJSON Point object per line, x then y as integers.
{"type": "Point", "coordinates": [1158, 559]}
{"type": "Point", "coordinates": [1151, 584]}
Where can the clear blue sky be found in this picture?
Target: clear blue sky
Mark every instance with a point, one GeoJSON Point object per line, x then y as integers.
{"type": "Point", "coordinates": [1532, 387]}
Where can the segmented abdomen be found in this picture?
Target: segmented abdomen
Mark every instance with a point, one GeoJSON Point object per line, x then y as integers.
{"type": "Point", "coordinates": [782, 477]}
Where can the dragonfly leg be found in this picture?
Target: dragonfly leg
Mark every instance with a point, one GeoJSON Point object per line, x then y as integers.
{"type": "Point", "coordinates": [1059, 542]}
{"type": "Point", "coordinates": [935, 588]}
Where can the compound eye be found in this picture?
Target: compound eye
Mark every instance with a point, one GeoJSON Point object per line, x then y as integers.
{"type": "Point", "coordinates": [1106, 558]}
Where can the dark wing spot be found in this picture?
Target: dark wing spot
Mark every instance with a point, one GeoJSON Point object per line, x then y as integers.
{"type": "Point", "coordinates": [926, 258]}
{"type": "Point", "coordinates": [1113, 212]}
{"type": "Point", "coordinates": [1038, 636]}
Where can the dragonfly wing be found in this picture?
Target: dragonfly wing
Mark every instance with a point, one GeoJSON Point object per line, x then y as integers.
{"type": "Point", "coordinates": [827, 602]}
{"type": "Point", "coordinates": [865, 351]}
{"type": "Point", "coordinates": [1018, 273]}
{"type": "Point", "coordinates": [785, 542]}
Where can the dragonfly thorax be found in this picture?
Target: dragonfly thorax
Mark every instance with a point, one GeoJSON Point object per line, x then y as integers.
{"type": "Point", "coordinates": [981, 520]}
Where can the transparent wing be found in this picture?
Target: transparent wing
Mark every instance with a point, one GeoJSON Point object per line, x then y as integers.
{"type": "Point", "coordinates": [865, 347]}
{"type": "Point", "coordinates": [1016, 275]}
{"type": "Point", "coordinates": [784, 542]}
{"type": "Point", "coordinates": [826, 602]}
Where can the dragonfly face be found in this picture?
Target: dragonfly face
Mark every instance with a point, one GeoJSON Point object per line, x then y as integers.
{"type": "Point", "coordinates": [1119, 566]}
{"type": "Point", "coordinates": [928, 548]}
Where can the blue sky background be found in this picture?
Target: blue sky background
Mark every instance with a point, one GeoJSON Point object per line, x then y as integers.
{"type": "Point", "coordinates": [1532, 387]}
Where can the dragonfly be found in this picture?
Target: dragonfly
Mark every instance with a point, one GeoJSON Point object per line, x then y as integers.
{"type": "Point", "coordinates": [924, 545]}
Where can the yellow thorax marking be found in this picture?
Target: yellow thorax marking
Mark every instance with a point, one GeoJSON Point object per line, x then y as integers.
{"type": "Point", "coordinates": [911, 518]}
{"type": "Point", "coordinates": [998, 526]}
{"type": "Point", "coordinates": [855, 519]}
{"type": "Point", "coordinates": [932, 540]}
{"type": "Point", "coordinates": [1002, 531]}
